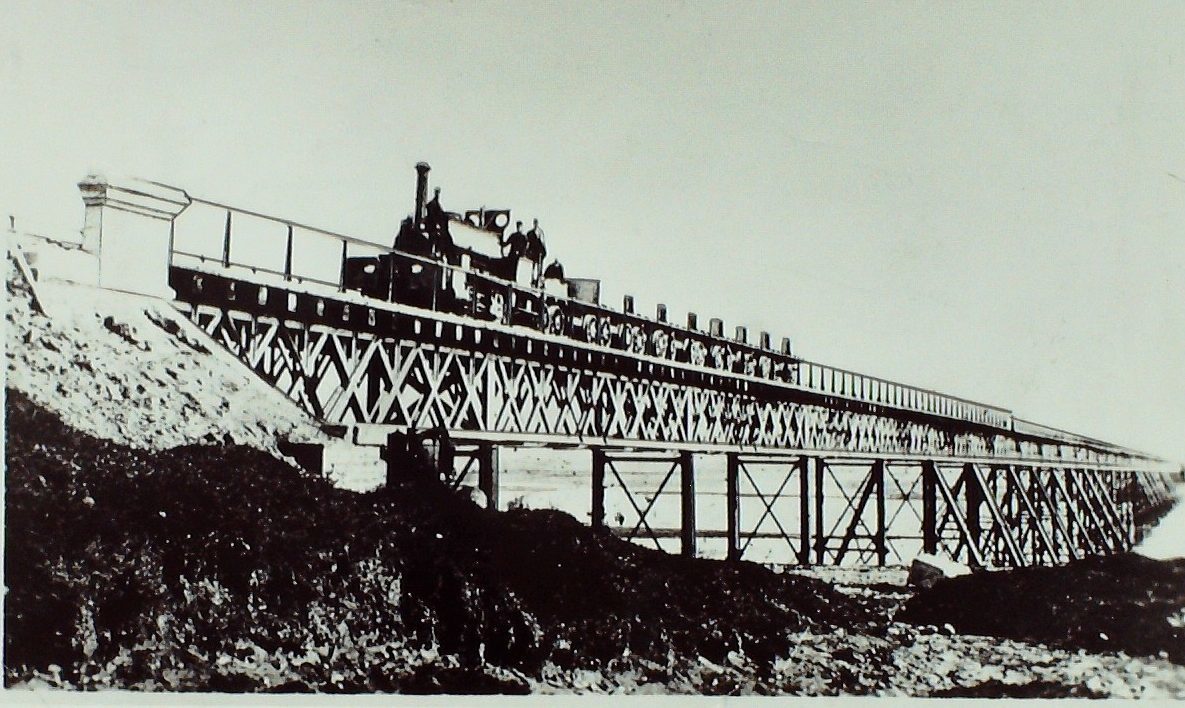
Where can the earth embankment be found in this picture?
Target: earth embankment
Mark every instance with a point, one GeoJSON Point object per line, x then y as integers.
{"type": "Point", "coordinates": [219, 567]}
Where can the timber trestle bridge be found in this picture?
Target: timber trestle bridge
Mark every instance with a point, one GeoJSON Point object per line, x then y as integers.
{"type": "Point", "coordinates": [829, 466]}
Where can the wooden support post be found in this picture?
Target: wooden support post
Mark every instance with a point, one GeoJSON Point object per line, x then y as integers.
{"type": "Point", "coordinates": [598, 488]}
{"type": "Point", "coordinates": [882, 542]}
{"type": "Point", "coordinates": [487, 474]}
{"type": "Point", "coordinates": [929, 507]}
{"type": "Point", "coordinates": [804, 511]}
{"type": "Point", "coordinates": [820, 531]}
{"type": "Point", "coordinates": [1018, 513]}
{"type": "Point", "coordinates": [687, 496]}
{"type": "Point", "coordinates": [973, 498]}
{"type": "Point", "coordinates": [1052, 511]}
{"type": "Point", "coordinates": [733, 492]}
{"type": "Point", "coordinates": [226, 243]}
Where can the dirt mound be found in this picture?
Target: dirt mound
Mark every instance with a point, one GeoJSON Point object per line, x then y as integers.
{"type": "Point", "coordinates": [1118, 603]}
{"type": "Point", "coordinates": [221, 568]}
{"type": "Point", "coordinates": [132, 369]}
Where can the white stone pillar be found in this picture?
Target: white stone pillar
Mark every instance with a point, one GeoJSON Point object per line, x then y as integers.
{"type": "Point", "coordinates": [94, 194]}
{"type": "Point", "coordinates": [127, 226]}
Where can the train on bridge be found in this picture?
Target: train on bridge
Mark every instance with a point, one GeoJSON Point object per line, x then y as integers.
{"type": "Point", "coordinates": [470, 264]}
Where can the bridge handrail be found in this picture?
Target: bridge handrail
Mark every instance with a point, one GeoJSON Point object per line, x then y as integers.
{"type": "Point", "coordinates": [1032, 428]}
{"type": "Point", "coordinates": [931, 400]}
{"type": "Point", "coordinates": [806, 374]}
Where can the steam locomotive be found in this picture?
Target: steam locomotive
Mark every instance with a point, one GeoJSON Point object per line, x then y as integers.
{"type": "Point", "coordinates": [466, 264]}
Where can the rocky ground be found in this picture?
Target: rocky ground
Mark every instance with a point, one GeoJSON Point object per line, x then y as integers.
{"type": "Point", "coordinates": [133, 370]}
{"type": "Point", "coordinates": [953, 639]}
{"type": "Point", "coordinates": [120, 575]}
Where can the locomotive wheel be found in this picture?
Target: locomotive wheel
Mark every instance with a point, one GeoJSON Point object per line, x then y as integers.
{"type": "Point", "coordinates": [717, 356]}
{"type": "Point", "coordinates": [606, 332]}
{"type": "Point", "coordinates": [590, 329]}
{"type": "Point", "coordinates": [555, 320]}
{"type": "Point", "coordinates": [638, 341]}
{"type": "Point", "coordinates": [661, 341]}
{"type": "Point", "coordinates": [497, 306]}
{"type": "Point", "coordinates": [633, 340]}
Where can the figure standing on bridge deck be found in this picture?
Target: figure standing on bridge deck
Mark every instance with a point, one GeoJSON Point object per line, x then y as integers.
{"type": "Point", "coordinates": [433, 212]}
{"type": "Point", "coordinates": [535, 252]}
{"type": "Point", "coordinates": [516, 243]}
{"type": "Point", "coordinates": [436, 223]}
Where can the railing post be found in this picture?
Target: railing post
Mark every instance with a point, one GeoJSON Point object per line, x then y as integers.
{"type": "Point", "coordinates": [734, 506]}
{"type": "Point", "coordinates": [598, 488]}
{"type": "Point", "coordinates": [226, 242]}
{"type": "Point", "coordinates": [345, 254]}
{"type": "Point", "coordinates": [288, 256]}
{"type": "Point", "coordinates": [687, 496]}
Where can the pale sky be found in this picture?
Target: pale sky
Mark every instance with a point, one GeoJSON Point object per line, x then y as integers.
{"type": "Point", "coordinates": [983, 198]}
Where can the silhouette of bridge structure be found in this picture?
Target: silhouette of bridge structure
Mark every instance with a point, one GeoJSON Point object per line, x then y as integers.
{"type": "Point", "coordinates": [833, 466]}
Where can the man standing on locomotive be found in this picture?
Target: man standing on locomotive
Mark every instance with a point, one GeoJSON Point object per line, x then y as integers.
{"type": "Point", "coordinates": [516, 243]}
{"type": "Point", "coordinates": [535, 251]}
{"type": "Point", "coordinates": [436, 222]}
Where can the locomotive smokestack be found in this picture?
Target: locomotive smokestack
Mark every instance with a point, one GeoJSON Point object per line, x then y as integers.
{"type": "Point", "coordinates": [421, 189]}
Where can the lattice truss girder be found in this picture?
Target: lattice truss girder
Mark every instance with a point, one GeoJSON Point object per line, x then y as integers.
{"type": "Point", "coordinates": [1001, 514]}
{"type": "Point", "coordinates": [342, 376]}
